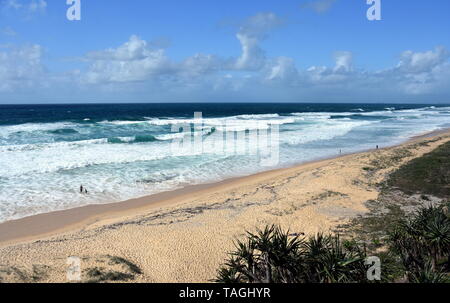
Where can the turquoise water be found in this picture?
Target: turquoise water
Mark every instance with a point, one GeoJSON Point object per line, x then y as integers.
{"type": "Point", "coordinates": [124, 151]}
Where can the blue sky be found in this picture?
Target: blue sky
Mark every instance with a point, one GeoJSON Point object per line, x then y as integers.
{"type": "Point", "coordinates": [224, 51]}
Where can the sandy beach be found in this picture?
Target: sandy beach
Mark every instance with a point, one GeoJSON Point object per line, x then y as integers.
{"type": "Point", "coordinates": [184, 235]}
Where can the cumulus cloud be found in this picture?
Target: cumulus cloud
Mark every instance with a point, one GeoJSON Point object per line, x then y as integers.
{"type": "Point", "coordinates": [416, 74]}
{"type": "Point", "coordinates": [134, 49]}
{"type": "Point", "coordinates": [283, 70]}
{"type": "Point", "coordinates": [201, 64]}
{"type": "Point", "coordinates": [138, 65]}
{"type": "Point", "coordinates": [421, 72]}
{"type": "Point", "coordinates": [422, 62]}
{"type": "Point", "coordinates": [130, 62]}
{"type": "Point", "coordinates": [139, 60]}
{"type": "Point", "coordinates": [251, 33]}
{"type": "Point", "coordinates": [344, 61]}
{"type": "Point", "coordinates": [341, 72]}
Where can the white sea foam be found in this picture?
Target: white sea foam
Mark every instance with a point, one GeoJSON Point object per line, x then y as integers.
{"type": "Point", "coordinates": [322, 131]}
{"type": "Point", "coordinates": [6, 131]}
{"type": "Point", "coordinates": [118, 160]}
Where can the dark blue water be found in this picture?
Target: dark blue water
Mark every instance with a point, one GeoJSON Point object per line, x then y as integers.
{"type": "Point", "coordinates": [18, 114]}
{"type": "Point", "coordinates": [122, 151]}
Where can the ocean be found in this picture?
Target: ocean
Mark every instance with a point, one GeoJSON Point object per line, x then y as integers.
{"type": "Point", "coordinates": [123, 151]}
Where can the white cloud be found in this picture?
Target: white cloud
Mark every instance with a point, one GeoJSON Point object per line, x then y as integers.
{"type": "Point", "coordinates": [340, 73]}
{"type": "Point", "coordinates": [134, 49]}
{"type": "Point", "coordinates": [130, 62]}
{"type": "Point", "coordinates": [283, 69]}
{"type": "Point", "coordinates": [142, 66]}
{"type": "Point", "coordinates": [136, 60]}
{"type": "Point", "coordinates": [414, 63]}
{"type": "Point", "coordinates": [21, 67]}
{"type": "Point", "coordinates": [417, 73]}
{"type": "Point", "coordinates": [201, 64]}
{"type": "Point", "coordinates": [344, 61]}
{"type": "Point", "coordinates": [423, 72]}
{"type": "Point", "coordinates": [250, 35]}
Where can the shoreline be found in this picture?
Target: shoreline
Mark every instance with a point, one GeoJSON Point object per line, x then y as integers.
{"type": "Point", "coordinates": [53, 223]}
{"type": "Point", "coordinates": [186, 236]}
{"type": "Point", "coordinates": [58, 222]}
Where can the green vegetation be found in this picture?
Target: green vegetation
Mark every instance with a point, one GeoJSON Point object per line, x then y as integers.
{"type": "Point", "coordinates": [97, 275]}
{"type": "Point", "coordinates": [37, 273]}
{"type": "Point", "coordinates": [131, 266]}
{"type": "Point", "coordinates": [418, 252]}
{"type": "Point", "coordinates": [423, 245]}
{"type": "Point", "coordinates": [273, 256]}
{"type": "Point", "coordinates": [121, 270]}
{"type": "Point", "coordinates": [429, 174]}
{"type": "Point", "coordinates": [408, 228]}
{"type": "Point", "coordinates": [387, 162]}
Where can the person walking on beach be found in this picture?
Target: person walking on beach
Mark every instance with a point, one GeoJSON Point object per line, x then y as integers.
{"type": "Point", "coordinates": [81, 189]}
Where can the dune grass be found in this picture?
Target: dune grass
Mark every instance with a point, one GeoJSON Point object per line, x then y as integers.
{"type": "Point", "coordinates": [429, 174]}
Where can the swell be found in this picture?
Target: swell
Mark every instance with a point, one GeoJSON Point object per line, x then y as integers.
{"type": "Point", "coordinates": [122, 159]}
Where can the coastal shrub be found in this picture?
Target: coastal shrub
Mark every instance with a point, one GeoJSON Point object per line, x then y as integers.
{"type": "Point", "coordinates": [97, 275]}
{"type": "Point", "coordinates": [22, 274]}
{"type": "Point", "coordinates": [429, 174]}
{"type": "Point", "coordinates": [423, 244]}
{"type": "Point", "coordinates": [129, 265]}
{"type": "Point", "coordinates": [118, 270]}
{"type": "Point", "coordinates": [416, 250]}
{"type": "Point", "coordinates": [274, 256]}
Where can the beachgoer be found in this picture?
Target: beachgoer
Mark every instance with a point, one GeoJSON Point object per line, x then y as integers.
{"type": "Point", "coordinates": [85, 191]}
{"type": "Point", "coordinates": [81, 189]}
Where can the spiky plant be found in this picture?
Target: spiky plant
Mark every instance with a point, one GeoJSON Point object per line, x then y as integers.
{"type": "Point", "coordinates": [329, 261]}
{"type": "Point", "coordinates": [428, 275]}
{"type": "Point", "coordinates": [273, 256]}
{"type": "Point", "coordinates": [423, 243]}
